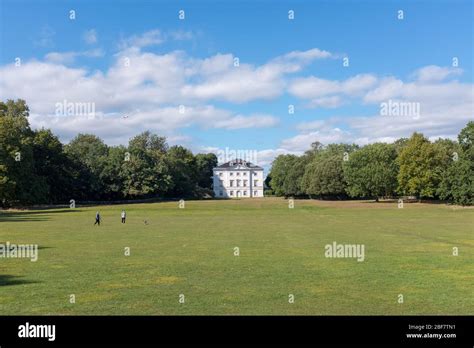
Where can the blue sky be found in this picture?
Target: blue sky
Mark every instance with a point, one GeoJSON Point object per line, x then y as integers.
{"type": "Point", "coordinates": [190, 62]}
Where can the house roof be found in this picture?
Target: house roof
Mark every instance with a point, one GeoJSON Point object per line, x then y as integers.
{"type": "Point", "coordinates": [238, 164]}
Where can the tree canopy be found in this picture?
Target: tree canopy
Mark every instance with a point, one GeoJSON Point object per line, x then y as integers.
{"type": "Point", "coordinates": [413, 166]}
{"type": "Point", "coordinates": [36, 168]}
{"type": "Point", "coordinates": [372, 171]}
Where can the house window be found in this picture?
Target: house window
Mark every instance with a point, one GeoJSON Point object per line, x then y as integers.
{"type": "Point", "coordinates": [231, 174]}
{"type": "Point", "coordinates": [220, 174]}
{"type": "Point", "coordinates": [231, 183]}
{"type": "Point", "coordinates": [254, 173]}
{"type": "Point", "coordinates": [245, 173]}
{"type": "Point", "coordinates": [256, 182]}
{"type": "Point", "coordinates": [220, 193]}
{"type": "Point", "coordinates": [238, 174]}
{"type": "Point", "coordinates": [255, 193]}
{"type": "Point", "coordinates": [245, 183]}
{"type": "Point", "coordinates": [245, 193]}
{"type": "Point", "coordinates": [238, 183]}
{"type": "Point", "coordinates": [231, 193]}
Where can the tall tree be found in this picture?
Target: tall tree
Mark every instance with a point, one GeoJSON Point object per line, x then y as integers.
{"type": "Point", "coordinates": [372, 171]}
{"type": "Point", "coordinates": [324, 175]}
{"type": "Point", "coordinates": [457, 184]}
{"type": "Point", "coordinates": [205, 162]}
{"type": "Point", "coordinates": [112, 175]}
{"type": "Point", "coordinates": [91, 151]}
{"type": "Point", "coordinates": [19, 182]}
{"type": "Point", "coordinates": [292, 184]}
{"type": "Point", "coordinates": [281, 166]}
{"type": "Point", "coordinates": [466, 140]}
{"type": "Point", "coordinates": [183, 171]}
{"type": "Point", "coordinates": [420, 164]}
{"type": "Point", "coordinates": [146, 173]}
{"type": "Point", "coordinates": [54, 166]}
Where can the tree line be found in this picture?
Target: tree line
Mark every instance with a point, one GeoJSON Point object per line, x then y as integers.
{"type": "Point", "coordinates": [415, 166]}
{"type": "Point", "coordinates": [36, 168]}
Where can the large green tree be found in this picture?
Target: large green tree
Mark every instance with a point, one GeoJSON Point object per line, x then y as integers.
{"type": "Point", "coordinates": [285, 180]}
{"type": "Point", "coordinates": [466, 140]}
{"type": "Point", "coordinates": [457, 184]}
{"type": "Point", "coordinates": [372, 171]}
{"type": "Point", "coordinates": [205, 162]}
{"type": "Point", "coordinates": [63, 177]}
{"type": "Point", "coordinates": [324, 175]}
{"type": "Point", "coordinates": [183, 171]}
{"type": "Point", "coordinates": [19, 183]}
{"type": "Point", "coordinates": [113, 172]}
{"type": "Point", "coordinates": [421, 164]}
{"type": "Point", "coordinates": [146, 172]}
{"type": "Point", "coordinates": [294, 177]}
{"type": "Point", "coordinates": [90, 151]}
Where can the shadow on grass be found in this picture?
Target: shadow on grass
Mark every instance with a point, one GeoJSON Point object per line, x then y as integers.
{"type": "Point", "coordinates": [9, 280]}
{"type": "Point", "coordinates": [31, 215]}
{"type": "Point", "coordinates": [22, 243]}
{"type": "Point", "coordinates": [382, 201]}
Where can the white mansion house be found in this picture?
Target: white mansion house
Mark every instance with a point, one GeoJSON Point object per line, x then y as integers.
{"type": "Point", "coordinates": [238, 178]}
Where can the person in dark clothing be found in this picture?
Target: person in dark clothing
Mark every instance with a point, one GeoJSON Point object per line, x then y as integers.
{"type": "Point", "coordinates": [97, 219]}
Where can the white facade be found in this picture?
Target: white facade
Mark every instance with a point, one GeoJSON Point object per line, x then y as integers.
{"type": "Point", "coordinates": [238, 179]}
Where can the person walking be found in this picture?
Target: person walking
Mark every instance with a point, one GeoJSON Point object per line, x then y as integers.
{"type": "Point", "coordinates": [97, 219]}
{"type": "Point", "coordinates": [123, 215]}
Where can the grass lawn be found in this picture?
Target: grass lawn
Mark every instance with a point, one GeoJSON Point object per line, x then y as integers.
{"type": "Point", "coordinates": [190, 251]}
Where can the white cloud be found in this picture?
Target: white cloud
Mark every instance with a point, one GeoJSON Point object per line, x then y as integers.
{"type": "Point", "coordinates": [262, 158]}
{"type": "Point", "coordinates": [243, 83]}
{"type": "Point", "coordinates": [308, 55]}
{"type": "Point", "coordinates": [145, 80]}
{"type": "Point", "coordinates": [387, 88]}
{"type": "Point", "coordinates": [358, 84]}
{"type": "Point", "coordinates": [149, 38]}
{"type": "Point", "coordinates": [313, 87]}
{"type": "Point", "coordinates": [149, 88]}
{"type": "Point", "coordinates": [295, 60]}
{"type": "Point", "coordinates": [45, 37]}
{"type": "Point", "coordinates": [251, 121]}
{"type": "Point", "coordinates": [432, 73]}
{"type": "Point", "coordinates": [309, 126]}
{"type": "Point", "coordinates": [302, 142]}
{"type": "Point", "coordinates": [180, 35]}
{"type": "Point", "coordinates": [90, 37]}
{"type": "Point", "coordinates": [152, 38]}
{"type": "Point", "coordinates": [330, 93]}
{"type": "Point", "coordinates": [69, 57]}
{"type": "Point", "coordinates": [266, 157]}
{"type": "Point", "coordinates": [237, 85]}
{"type": "Point", "coordinates": [117, 128]}
{"type": "Point", "coordinates": [445, 108]}
{"type": "Point", "coordinates": [326, 102]}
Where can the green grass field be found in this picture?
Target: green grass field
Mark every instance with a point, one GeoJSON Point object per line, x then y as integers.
{"type": "Point", "coordinates": [190, 251]}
